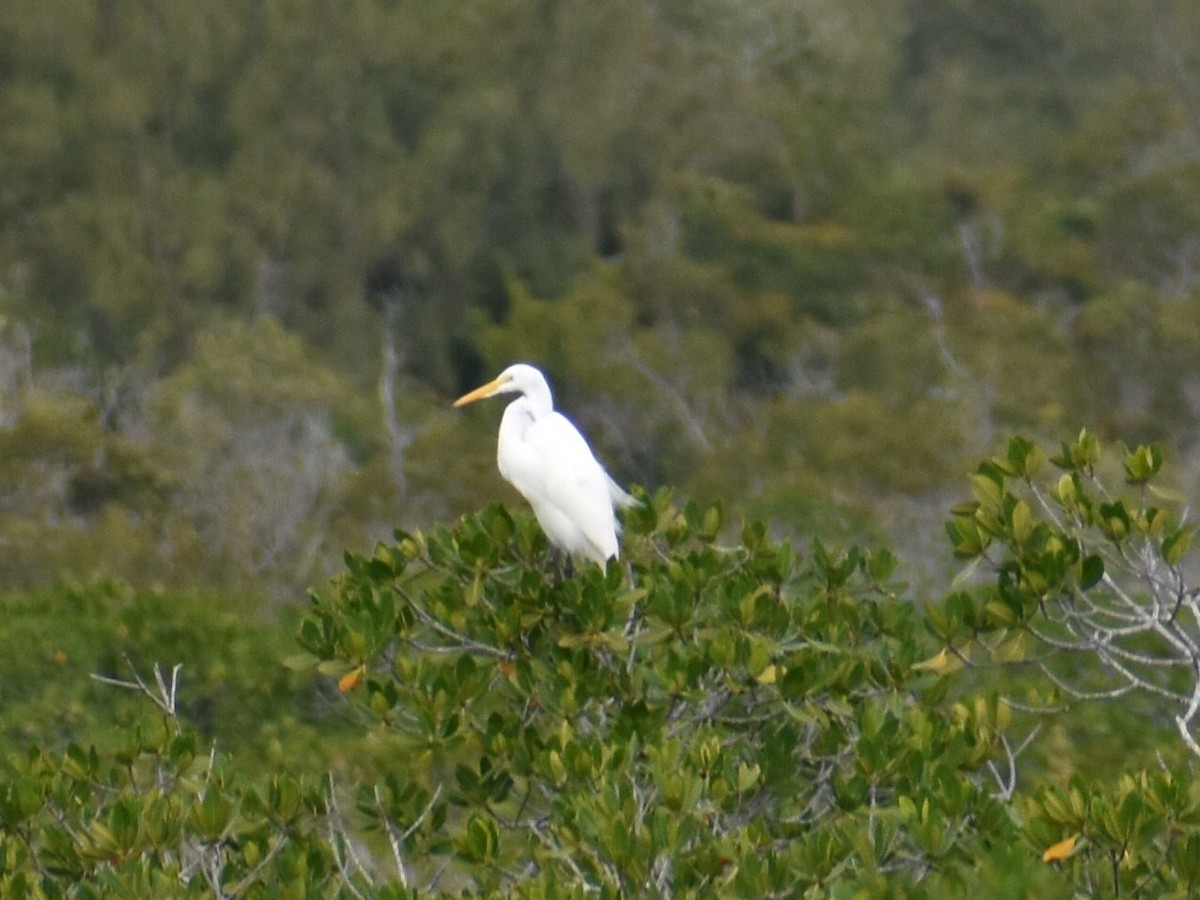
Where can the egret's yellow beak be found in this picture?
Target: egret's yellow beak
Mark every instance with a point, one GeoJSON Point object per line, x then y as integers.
{"type": "Point", "coordinates": [480, 393]}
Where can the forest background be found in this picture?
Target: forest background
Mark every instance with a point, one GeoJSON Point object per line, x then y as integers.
{"type": "Point", "coordinates": [811, 260]}
{"type": "Point", "coordinates": [808, 259]}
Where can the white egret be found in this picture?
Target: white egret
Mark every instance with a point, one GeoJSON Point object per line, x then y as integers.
{"type": "Point", "coordinates": [543, 455]}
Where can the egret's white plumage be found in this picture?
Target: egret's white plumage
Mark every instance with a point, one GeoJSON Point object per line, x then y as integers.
{"type": "Point", "coordinates": [543, 455]}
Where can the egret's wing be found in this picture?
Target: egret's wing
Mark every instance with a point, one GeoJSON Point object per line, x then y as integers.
{"type": "Point", "coordinates": [574, 482]}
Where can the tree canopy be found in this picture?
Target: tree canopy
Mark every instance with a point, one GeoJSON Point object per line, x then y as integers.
{"type": "Point", "coordinates": [704, 719]}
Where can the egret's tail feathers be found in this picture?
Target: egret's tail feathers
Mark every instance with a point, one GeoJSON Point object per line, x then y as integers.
{"type": "Point", "coordinates": [620, 497]}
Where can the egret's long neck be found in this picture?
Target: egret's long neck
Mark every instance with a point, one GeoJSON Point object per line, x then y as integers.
{"type": "Point", "coordinates": [513, 451]}
{"type": "Point", "coordinates": [517, 418]}
{"type": "Point", "coordinates": [537, 399]}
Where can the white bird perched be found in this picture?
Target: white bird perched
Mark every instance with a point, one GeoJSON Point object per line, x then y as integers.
{"type": "Point", "coordinates": [543, 455]}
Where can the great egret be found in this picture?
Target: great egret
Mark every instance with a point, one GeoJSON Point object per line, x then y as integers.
{"type": "Point", "coordinates": [543, 455]}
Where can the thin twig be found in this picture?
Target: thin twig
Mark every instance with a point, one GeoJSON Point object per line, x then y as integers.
{"type": "Point", "coordinates": [333, 822]}
{"type": "Point", "coordinates": [164, 698]}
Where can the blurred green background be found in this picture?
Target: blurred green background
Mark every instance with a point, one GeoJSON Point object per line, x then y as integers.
{"type": "Point", "coordinates": [810, 259]}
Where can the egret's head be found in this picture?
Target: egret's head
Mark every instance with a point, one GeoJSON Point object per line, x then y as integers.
{"type": "Point", "coordinates": [520, 378]}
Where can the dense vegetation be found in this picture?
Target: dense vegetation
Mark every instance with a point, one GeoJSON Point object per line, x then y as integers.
{"type": "Point", "coordinates": [806, 263]}
{"type": "Point", "coordinates": [703, 720]}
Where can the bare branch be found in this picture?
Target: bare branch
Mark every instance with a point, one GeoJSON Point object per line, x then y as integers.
{"type": "Point", "coordinates": [394, 838]}
{"type": "Point", "coordinates": [333, 823]}
{"type": "Point", "coordinates": [461, 640]}
{"type": "Point", "coordinates": [163, 697]}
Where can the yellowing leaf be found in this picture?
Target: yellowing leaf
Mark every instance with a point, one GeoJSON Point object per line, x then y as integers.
{"type": "Point", "coordinates": [1167, 494]}
{"type": "Point", "coordinates": [968, 573]}
{"type": "Point", "coordinates": [1175, 545]}
{"type": "Point", "coordinates": [474, 592]}
{"type": "Point", "coordinates": [770, 674]}
{"type": "Point", "coordinates": [1001, 612]}
{"type": "Point", "coordinates": [1022, 522]}
{"type": "Point", "coordinates": [1013, 650]}
{"type": "Point", "coordinates": [943, 663]}
{"type": "Point", "coordinates": [986, 491]}
{"type": "Point", "coordinates": [1067, 494]}
{"type": "Point", "coordinates": [747, 777]}
{"type": "Point", "coordinates": [1061, 850]}
{"type": "Point", "coordinates": [352, 679]}
{"type": "Point", "coordinates": [1003, 716]}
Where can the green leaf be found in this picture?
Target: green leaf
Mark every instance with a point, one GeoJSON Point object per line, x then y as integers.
{"type": "Point", "coordinates": [711, 526]}
{"type": "Point", "coordinates": [479, 839]}
{"type": "Point", "coordinates": [1001, 612]}
{"type": "Point", "coordinates": [1013, 650]}
{"type": "Point", "coordinates": [937, 621]}
{"type": "Point", "coordinates": [80, 764]}
{"type": "Point", "coordinates": [1175, 545]}
{"type": "Point", "coordinates": [336, 667]}
{"type": "Point", "coordinates": [1171, 495]}
{"type": "Point", "coordinates": [988, 489]}
{"type": "Point", "coordinates": [1114, 521]}
{"type": "Point", "coordinates": [19, 801]}
{"type": "Point", "coordinates": [123, 821]}
{"type": "Point", "coordinates": [1091, 570]}
{"type": "Point", "coordinates": [1066, 491]}
{"type": "Point", "coordinates": [1023, 458]}
{"type": "Point", "coordinates": [1085, 452]}
{"type": "Point", "coordinates": [966, 538]}
{"type": "Point", "coordinates": [1059, 810]}
{"type": "Point", "coordinates": [474, 592]}
{"type": "Point", "coordinates": [1185, 859]}
{"type": "Point", "coordinates": [211, 815]}
{"type": "Point", "coordinates": [882, 564]}
{"type": "Point", "coordinates": [1143, 463]}
{"type": "Point", "coordinates": [747, 776]}
{"type": "Point", "coordinates": [1022, 522]}
{"type": "Point", "coordinates": [300, 662]}
{"type": "Point", "coordinates": [1129, 815]}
